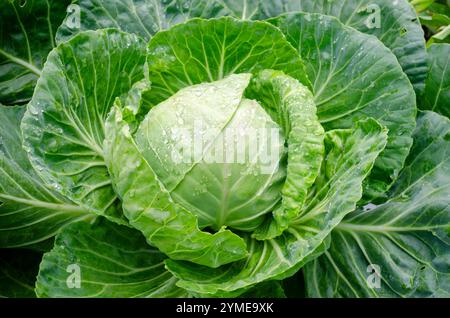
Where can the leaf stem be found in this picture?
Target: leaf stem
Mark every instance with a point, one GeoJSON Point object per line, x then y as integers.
{"type": "Point", "coordinates": [21, 62]}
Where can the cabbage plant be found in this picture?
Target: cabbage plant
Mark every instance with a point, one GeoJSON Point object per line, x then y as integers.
{"type": "Point", "coordinates": [224, 149]}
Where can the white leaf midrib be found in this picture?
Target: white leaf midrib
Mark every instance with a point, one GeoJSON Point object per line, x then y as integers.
{"type": "Point", "coordinates": [42, 204]}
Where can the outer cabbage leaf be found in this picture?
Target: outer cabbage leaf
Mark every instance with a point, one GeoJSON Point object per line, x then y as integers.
{"type": "Point", "coordinates": [403, 243]}
{"type": "Point", "coordinates": [147, 17]}
{"type": "Point", "coordinates": [294, 286]}
{"type": "Point", "coordinates": [29, 211]}
{"type": "Point", "coordinates": [27, 32]}
{"type": "Point", "coordinates": [398, 28]}
{"type": "Point", "coordinates": [44, 246]}
{"type": "Point", "coordinates": [63, 128]}
{"type": "Point", "coordinates": [350, 155]}
{"type": "Point", "coordinates": [270, 289]}
{"type": "Point", "coordinates": [150, 209]}
{"type": "Point", "coordinates": [437, 90]}
{"type": "Point", "coordinates": [395, 23]}
{"type": "Point", "coordinates": [378, 88]}
{"type": "Point", "coordinates": [18, 271]}
{"type": "Point", "coordinates": [111, 261]}
{"type": "Point", "coordinates": [216, 49]}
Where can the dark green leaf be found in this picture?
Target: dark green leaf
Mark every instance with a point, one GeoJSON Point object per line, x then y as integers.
{"type": "Point", "coordinates": [270, 289]}
{"type": "Point", "coordinates": [104, 260]}
{"type": "Point", "coordinates": [395, 23]}
{"type": "Point", "coordinates": [404, 243]}
{"type": "Point", "coordinates": [18, 271]}
{"type": "Point", "coordinates": [437, 90]}
{"type": "Point", "coordinates": [27, 32]}
{"type": "Point", "coordinates": [29, 211]}
{"type": "Point", "coordinates": [63, 128]}
{"type": "Point", "coordinates": [398, 27]}
{"type": "Point", "coordinates": [355, 76]}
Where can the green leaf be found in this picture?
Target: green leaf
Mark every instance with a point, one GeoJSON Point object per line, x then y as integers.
{"type": "Point", "coordinates": [26, 37]}
{"type": "Point", "coordinates": [399, 28]}
{"type": "Point", "coordinates": [41, 247]}
{"type": "Point", "coordinates": [350, 155]}
{"type": "Point", "coordinates": [442, 35]}
{"type": "Point", "coordinates": [104, 260]}
{"type": "Point", "coordinates": [18, 271]}
{"type": "Point", "coordinates": [395, 23]}
{"type": "Point", "coordinates": [421, 5]}
{"type": "Point", "coordinates": [270, 289]}
{"type": "Point", "coordinates": [292, 106]}
{"type": "Point", "coordinates": [63, 128]}
{"type": "Point", "coordinates": [146, 17]}
{"type": "Point", "coordinates": [437, 91]}
{"type": "Point", "coordinates": [294, 286]}
{"type": "Point", "coordinates": [150, 209]}
{"type": "Point", "coordinates": [29, 211]}
{"type": "Point", "coordinates": [217, 48]}
{"type": "Point", "coordinates": [436, 16]}
{"type": "Point", "coordinates": [435, 21]}
{"type": "Point", "coordinates": [378, 88]}
{"type": "Point", "coordinates": [406, 237]}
